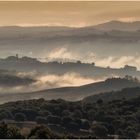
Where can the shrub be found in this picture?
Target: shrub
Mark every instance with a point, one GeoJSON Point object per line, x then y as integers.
{"type": "Point", "coordinates": [20, 117]}
{"type": "Point", "coordinates": [53, 119]}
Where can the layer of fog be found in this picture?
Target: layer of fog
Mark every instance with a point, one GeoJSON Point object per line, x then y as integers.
{"type": "Point", "coordinates": [47, 81]}
{"type": "Point", "coordinates": [89, 57]}
{"type": "Point", "coordinates": [104, 50]}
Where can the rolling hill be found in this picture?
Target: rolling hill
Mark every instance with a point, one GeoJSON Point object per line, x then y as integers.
{"type": "Point", "coordinates": [126, 93]}
{"type": "Point", "coordinates": [74, 93]}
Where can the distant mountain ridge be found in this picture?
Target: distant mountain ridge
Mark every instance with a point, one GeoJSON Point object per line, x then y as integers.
{"type": "Point", "coordinates": [60, 30]}
{"type": "Point", "coordinates": [105, 26]}
{"type": "Point", "coordinates": [118, 25]}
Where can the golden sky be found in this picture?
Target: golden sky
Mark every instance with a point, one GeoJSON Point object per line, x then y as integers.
{"type": "Point", "coordinates": [66, 13]}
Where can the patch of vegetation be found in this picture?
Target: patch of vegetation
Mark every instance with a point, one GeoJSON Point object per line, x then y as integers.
{"type": "Point", "coordinates": [62, 119]}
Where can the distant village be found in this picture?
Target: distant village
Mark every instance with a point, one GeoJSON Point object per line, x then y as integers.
{"type": "Point", "coordinates": [30, 60]}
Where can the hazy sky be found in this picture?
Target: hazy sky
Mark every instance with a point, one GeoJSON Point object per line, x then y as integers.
{"type": "Point", "coordinates": [66, 13]}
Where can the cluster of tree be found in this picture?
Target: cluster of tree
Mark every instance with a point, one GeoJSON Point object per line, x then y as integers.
{"type": "Point", "coordinates": [9, 132]}
{"type": "Point", "coordinates": [38, 132]}
{"type": "Point", "coordinates": [113, 119]}
{"type": "Point", "coordinates": [127, 93]}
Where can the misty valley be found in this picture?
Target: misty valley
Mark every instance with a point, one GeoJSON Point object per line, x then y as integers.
{"type": "Point", "coordinates": [28, 78]}
{"type": "Point", "coordinates": [70, 82]}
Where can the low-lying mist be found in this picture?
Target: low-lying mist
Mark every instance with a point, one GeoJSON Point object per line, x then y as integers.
{"type": "Point", "coordinates": [114, 61]}
{"type": "Point", "coordinates": [32, 81]}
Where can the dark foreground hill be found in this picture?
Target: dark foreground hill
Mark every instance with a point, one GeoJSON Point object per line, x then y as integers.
{"type": "Point", "coordinates": [74, 93]}
{"type": "Point", "coordinates": [113, 119]}
{"type": "Point", "coordinates": [127, 93]}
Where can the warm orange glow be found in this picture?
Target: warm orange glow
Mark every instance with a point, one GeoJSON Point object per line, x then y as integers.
{"type": "Point", "coordinates": [66, 13]}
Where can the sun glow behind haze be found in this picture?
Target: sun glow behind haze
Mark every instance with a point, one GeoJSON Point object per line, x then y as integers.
{"type": "Point", "coordinates": [66, 13]}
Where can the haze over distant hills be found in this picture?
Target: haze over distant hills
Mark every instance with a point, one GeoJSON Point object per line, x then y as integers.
{"type": "Point", "coordinates": [18, 74]}
{"type": "Point", "coordinates": [28, 64]}
{"type": "Point", "coordinates": [110, 44]}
